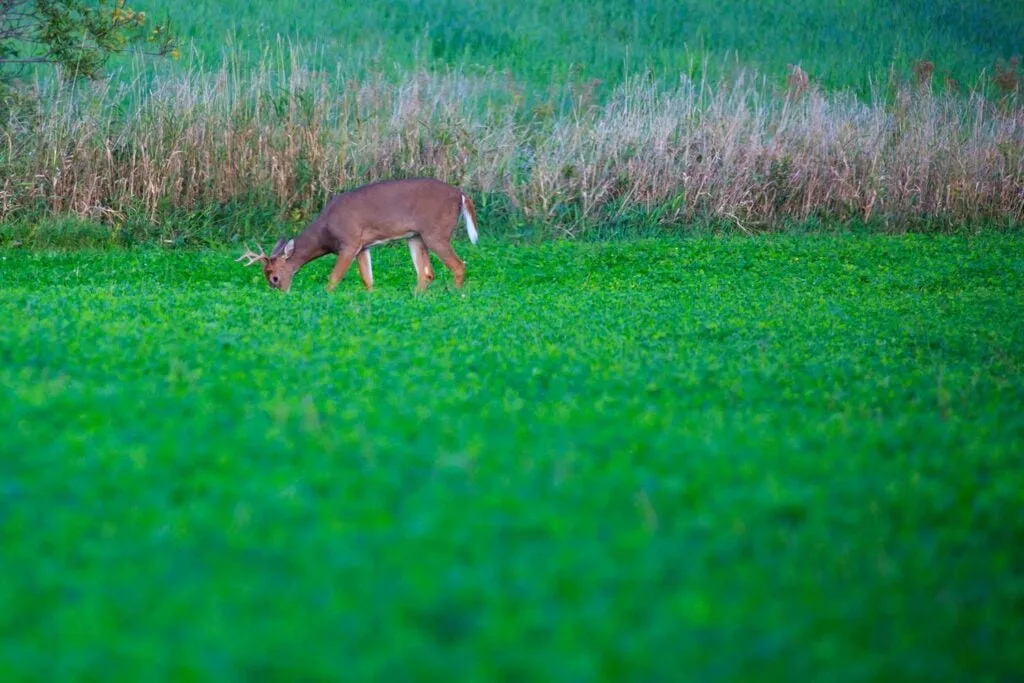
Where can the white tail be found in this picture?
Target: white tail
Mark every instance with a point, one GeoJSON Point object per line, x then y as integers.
{"type": "Point", "coordinates": [470, 223]}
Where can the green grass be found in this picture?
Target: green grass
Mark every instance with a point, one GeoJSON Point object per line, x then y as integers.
{"type": "Point", "coordinates": [782, 458]}
{"type": "Point", "coordinates": [842, 44]}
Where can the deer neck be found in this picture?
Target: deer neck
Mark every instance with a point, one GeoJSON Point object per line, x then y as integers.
{"type": "Point", "coordinates": [309, 245]}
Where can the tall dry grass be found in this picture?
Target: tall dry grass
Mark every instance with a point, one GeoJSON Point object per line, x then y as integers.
{"type": "Point", "coordinates": [287, 135]}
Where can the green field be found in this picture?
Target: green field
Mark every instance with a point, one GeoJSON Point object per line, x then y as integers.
{"type": "Point", "coordinates": [782, 458]}
{"type": "Point", "coordinates": [607, 38]}
{"type": "Point", "coordinates": [841, 43]}
{"type": "Point", "coordinates": [693, 417]}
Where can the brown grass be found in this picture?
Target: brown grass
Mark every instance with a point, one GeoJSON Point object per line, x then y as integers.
{"type": "Point", "coordinates": [288, 136]}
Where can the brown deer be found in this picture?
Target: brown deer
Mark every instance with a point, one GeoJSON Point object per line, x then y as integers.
{"type": "Point", "coordinates": [423, 211]}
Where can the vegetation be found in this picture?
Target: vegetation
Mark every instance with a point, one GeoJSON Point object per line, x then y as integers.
{"type": "Point", "coordinates": [564, 128]}
{"type": "Point", "coordinates": [772, 458]}
{"type": "Point", "coordinates": [78, 35]}
{"type": "Point", "coordinates": [842, 44]}
{"type": "Point", "coordinates": [789, 449]}
{"type": "Point", "coordinates": [279, 138]}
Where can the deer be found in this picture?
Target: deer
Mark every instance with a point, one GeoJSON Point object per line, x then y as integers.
{"type": "Point", "coordinates": [423, 211]}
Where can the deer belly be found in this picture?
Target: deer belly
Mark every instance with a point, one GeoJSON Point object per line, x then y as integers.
{"type": "Point", "coordinates": [385, 240]}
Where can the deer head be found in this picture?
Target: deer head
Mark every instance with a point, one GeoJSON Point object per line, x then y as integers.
{"type": "Point", "coordinates": [276, 267]}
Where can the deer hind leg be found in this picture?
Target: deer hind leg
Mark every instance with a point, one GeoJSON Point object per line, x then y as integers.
{"type": "Point", "coordinates": [445, 252]}
{"type": "Point", "coordinates": [365, 265]}
{"type": "Point", "coordinates": [341, 267]}
{"type": "Point", "coordinates": [421, 261]}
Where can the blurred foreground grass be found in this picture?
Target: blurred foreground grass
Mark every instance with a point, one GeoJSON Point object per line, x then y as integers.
{"type": "Point", "coordinates": [728, 459]}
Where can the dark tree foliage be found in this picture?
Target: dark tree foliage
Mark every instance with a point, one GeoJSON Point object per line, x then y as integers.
{"type": "Point", "coordinates": [78, 35]}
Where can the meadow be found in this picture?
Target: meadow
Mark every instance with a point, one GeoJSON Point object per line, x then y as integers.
{"type": "Point", "coordinates": [733, 391]}
{"type": "Point", "coordinates": [246, 137]}
{"type": "Point", "coordinates": [844, 44]}
{"type": "Point", "coordinates": [771, 458]}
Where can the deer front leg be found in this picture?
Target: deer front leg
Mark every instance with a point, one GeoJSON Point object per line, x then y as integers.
{"type": "Point", "coordinates": [365, 268]}
{"type": "Point", "coordinates": [340, 268]}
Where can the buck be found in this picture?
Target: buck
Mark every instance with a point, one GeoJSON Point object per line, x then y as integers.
{"type": "Point", "coordinates": [423, 211]}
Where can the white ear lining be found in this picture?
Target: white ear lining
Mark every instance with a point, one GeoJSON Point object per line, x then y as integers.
{"type": "Point", "coordinates": [283, 250]}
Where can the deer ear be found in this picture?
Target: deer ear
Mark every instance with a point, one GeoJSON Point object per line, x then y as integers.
{"type": "Point", "coordinates": [283, 249]}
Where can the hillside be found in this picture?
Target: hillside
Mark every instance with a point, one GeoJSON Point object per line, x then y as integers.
{"type": "Point", "coordinates": [840, 43]}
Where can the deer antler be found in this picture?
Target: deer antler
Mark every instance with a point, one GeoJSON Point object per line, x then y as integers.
{"type": "Point", "coordinates": [252, 256]}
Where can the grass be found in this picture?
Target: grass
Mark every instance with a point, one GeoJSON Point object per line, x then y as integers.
{"type": "Point", "coordinates": [224, 144]}
{"type": "Point", "coordinates": [844, 44]}
{"type": "Point", "coordinates": [777, 458]}
{"type": "Point", "coordinates": [780, 457]}
{"type": "Point", "coordinates": [757, 115]}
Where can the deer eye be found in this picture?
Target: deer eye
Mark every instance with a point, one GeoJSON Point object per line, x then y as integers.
{"type": "Point", "coordinates": [273, 279]}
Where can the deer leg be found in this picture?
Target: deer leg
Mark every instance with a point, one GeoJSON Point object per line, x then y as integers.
{"type": "Point", "coordinates": [445, 252]}
{"type": "Point", "coordinates": [421, 261]}
{"type": "Point", "coordinates": [341, 267]}
{"type": "Point", "coordinates": [365, 268]}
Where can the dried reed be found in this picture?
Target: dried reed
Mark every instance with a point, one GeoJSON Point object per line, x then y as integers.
{"type": "Point", "coordinates": [288, 134]}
